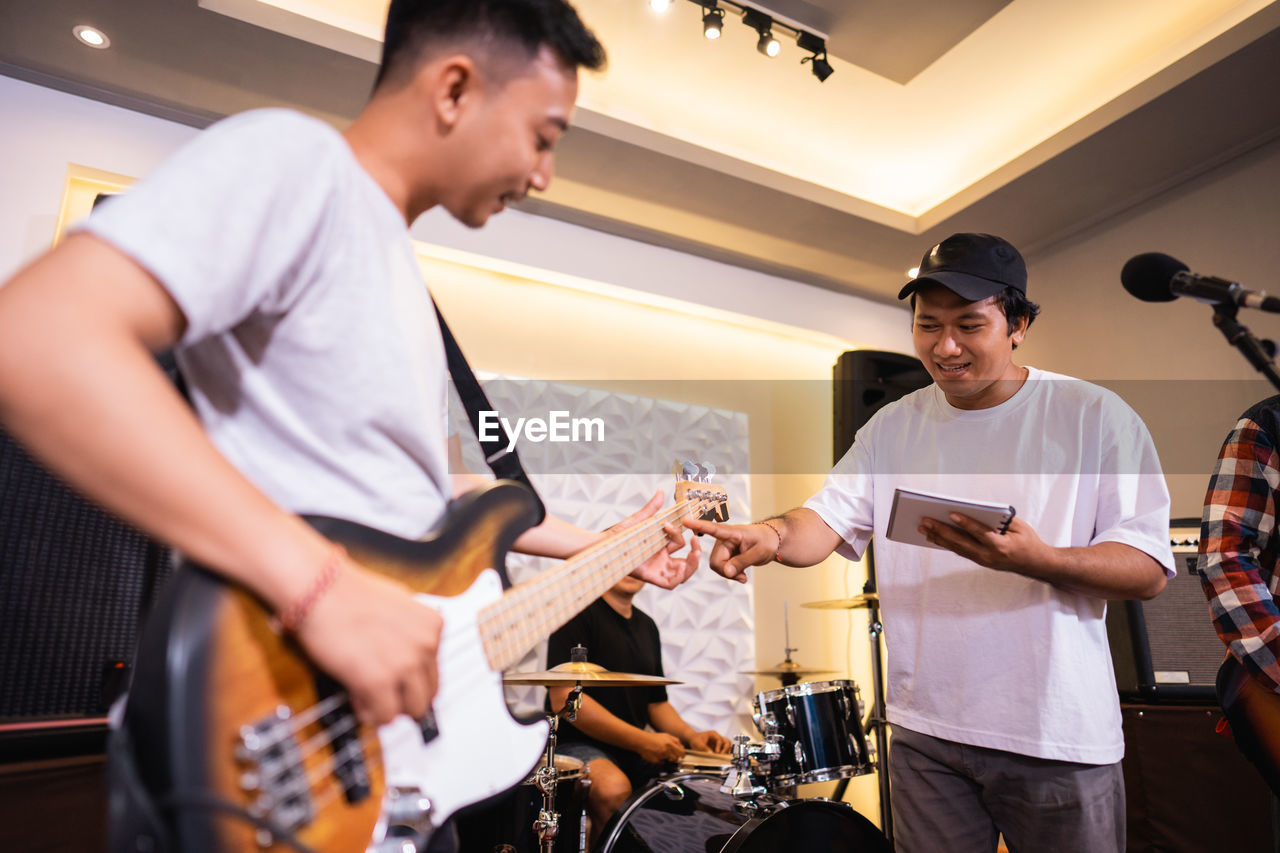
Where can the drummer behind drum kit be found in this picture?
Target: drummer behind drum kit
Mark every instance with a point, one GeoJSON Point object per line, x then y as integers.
{"type": "Point", "coordinates": [746, 803]}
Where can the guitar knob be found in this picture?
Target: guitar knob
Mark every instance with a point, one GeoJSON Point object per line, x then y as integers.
{"type": "Point", "coordinates": [406, 807]}
{"type": "Point", "coordinates": [393, 845]}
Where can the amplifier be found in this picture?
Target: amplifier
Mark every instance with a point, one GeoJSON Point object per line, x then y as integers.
{"type": "Point", "coordinates": [74, 585]}
{"type": "Point", "coordinates": [1166, 649]}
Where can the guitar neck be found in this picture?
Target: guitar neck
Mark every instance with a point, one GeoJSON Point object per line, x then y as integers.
{"type": "Point", "coordinates": [531, 611]}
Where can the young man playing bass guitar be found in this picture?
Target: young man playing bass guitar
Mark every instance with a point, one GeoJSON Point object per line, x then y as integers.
{"type": "Point", "coordinates": [273, 253]}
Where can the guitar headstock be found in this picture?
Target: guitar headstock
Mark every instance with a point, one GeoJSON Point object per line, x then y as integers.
{"type": "Point", "coordinates": [693, 483]}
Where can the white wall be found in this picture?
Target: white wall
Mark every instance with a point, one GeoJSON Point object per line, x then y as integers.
{"type": "Point", "coordinates": [1167, 359]}
{"type": "Point", "coordinates": [43, 131]}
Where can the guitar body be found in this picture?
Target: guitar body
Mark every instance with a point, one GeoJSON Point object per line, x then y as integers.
{"type": "Point", "coordinates": [1253, 711]}
{"type": "Point", "coordinates": [217, 715]}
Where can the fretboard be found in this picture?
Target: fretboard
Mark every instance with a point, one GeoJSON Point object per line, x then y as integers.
{"type": "Point", "coordinates": [531, 611]}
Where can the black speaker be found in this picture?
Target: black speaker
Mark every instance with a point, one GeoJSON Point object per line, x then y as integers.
{"type": "Point", "coordinates": [1166, 649]}
{"type": "Point", "coordinates": [75, 583]}
{"type": "Point", "coordinates": [865, 381]}
{"type": "Point", "coordinates": [1187, 788]}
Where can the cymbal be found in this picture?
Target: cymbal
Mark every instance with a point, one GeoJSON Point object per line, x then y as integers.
{"type": "Point", "coordinates": [787, 668]}
{"type": "Point", "coordinates": [860, 600]}
{"type": "Point", "coordinates": [583, 672]}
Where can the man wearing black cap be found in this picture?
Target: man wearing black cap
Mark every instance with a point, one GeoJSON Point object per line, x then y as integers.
{"type": "Point", "coordinates": [1000, 689]}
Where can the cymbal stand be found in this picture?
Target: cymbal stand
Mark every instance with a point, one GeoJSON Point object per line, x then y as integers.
{"type": "Point", "coordinates": [547, 826]}
{"type": "Point", "coordinates": [878, 721]}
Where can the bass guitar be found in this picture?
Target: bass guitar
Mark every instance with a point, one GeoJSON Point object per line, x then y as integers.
{"type": "Point", "coordinates": [232, 741]}
{"type": "Point", "coordinates": [1253, 710]}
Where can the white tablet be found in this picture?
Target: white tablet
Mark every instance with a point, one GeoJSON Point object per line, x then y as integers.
{"type": "Point", "coordinates": [909, 508]}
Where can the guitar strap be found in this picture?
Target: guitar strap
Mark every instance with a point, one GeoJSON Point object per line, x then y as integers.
{"type": "Point", "coordinates": [504, 463]}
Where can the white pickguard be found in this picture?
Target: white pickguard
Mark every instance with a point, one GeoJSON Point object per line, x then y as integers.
{"type": "Point", "coordinates": [481, 750]}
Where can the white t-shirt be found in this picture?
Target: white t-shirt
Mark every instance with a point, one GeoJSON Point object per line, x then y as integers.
{"type": "Point", "coordinates": [312, 349]}
{"type": "Point", "coordinates": [992, 658]}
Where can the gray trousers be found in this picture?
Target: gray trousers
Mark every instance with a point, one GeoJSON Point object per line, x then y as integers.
{"type": "Point", "coordinates": [958, 798]}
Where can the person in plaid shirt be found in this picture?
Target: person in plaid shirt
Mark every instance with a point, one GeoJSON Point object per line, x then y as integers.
{"type": "Point", "coordinates": [1238, 554]}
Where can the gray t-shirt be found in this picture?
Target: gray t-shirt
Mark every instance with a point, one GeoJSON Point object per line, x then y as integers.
{"type": "Point", "coordinates": [312, 350]}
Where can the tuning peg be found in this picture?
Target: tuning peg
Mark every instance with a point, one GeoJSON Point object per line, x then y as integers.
{"type": "Point", "coordinates": [709, 471]}
{"type": "Point", "coordinates": [677, 470]}
{"type": "Point", "coordinates": [690, 471]}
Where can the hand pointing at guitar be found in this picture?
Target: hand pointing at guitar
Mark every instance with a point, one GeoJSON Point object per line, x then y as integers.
{"type": "Point", "coordinates": [798, 537]}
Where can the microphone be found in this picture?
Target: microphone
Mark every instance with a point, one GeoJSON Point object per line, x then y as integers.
{"type": "Point", "coordinates": [1155, 277]}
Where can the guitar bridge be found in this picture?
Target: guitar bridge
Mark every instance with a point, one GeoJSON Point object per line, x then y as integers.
{"type": "Point", "coordinates": [274, 775]}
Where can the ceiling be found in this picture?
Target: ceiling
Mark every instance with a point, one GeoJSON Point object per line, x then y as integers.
{"type": "Point", "coordinates": [1033, 119]}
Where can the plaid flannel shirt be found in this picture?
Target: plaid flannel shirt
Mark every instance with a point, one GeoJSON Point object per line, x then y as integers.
{"type": "Point", "coordinates": [1239, 543]}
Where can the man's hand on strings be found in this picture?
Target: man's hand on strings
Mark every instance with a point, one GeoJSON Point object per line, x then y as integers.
{"type": "Point", "coordinates": [662, 568]}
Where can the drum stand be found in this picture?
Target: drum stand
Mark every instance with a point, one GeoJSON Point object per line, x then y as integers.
{"type": "Point", "coordinates": [877, 721]}
{"type": "Point", "coordinates": [547, 826]}
{"type": "Point", "coordinates": [739, 781]}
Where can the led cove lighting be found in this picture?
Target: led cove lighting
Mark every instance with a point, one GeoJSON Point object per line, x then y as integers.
{"type": "Point", "coordinates": [92, 37]}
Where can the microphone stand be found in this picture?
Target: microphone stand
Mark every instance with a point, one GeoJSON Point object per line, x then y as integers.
{"type": "Point", "coordinates": [1255, 351]}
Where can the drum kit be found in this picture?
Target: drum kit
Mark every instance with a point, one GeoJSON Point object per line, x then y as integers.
{"type": "Point", "coordinates": [745, 802]}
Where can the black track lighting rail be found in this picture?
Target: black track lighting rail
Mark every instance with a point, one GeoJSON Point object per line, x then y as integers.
{"type": "Point", "coordinates": [766, 26]}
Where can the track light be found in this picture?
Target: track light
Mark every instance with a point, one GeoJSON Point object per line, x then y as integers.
{"type": "Point", "coordinates": [821, 68]}
{"type": "Point", "coordinates": [762, 24]}
{"type": "Point", "coordinates": [818, 47]}
{"type": "Point", "coordinates": [713, 22]}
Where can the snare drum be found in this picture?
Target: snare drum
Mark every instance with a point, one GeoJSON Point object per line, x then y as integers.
{"type": "Point", "coordinates": [821, 727]}
{"type": "Point", "coordinates": [687, 813]}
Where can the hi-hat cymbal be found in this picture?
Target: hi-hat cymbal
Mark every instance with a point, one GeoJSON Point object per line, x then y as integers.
{"type": "Point", "coordinates": [583, 672]}
{"type": "Point", "coordinates": [861, 600]}
{"type": "Point", "coordinates": [787, 668]}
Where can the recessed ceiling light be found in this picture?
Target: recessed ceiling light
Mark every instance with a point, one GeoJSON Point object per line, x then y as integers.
{"type": "Point", "coordinates": [660, 5]}
{"type": "Point", "coordinates": [92, 37]}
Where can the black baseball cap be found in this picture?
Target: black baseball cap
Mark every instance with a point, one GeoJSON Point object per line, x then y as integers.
{"type": "Point", "coordinates": [973, 266]}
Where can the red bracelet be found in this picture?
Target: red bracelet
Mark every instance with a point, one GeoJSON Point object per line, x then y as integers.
{"type": "Point", "coordinates": [777, 552]}
{"type": "Point", "coordinates": [295, 614]}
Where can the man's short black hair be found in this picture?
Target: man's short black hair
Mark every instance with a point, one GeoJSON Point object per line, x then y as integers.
{"type": "Point", "coordinates": [1013, 302]}
{"type": "Point", "coordinates": [1016, 305]}
{"type": "Point", "coordinates": [414, 26]}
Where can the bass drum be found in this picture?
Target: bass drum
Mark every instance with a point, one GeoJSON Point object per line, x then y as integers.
{"type": "Point", "coordinates": [687, 813]}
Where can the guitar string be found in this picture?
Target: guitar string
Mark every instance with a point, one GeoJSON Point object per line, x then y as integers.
{"type": "Point", "coordinates": [533, 607]}
{"type": "Point", "coordinates": [306, 716]}
{"type": "Point", "coordinates": [301, 719]}
{"type": "Point", "coordinates": [347, 721]}
{"type": "Point", "coordinates": [291, 727]}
